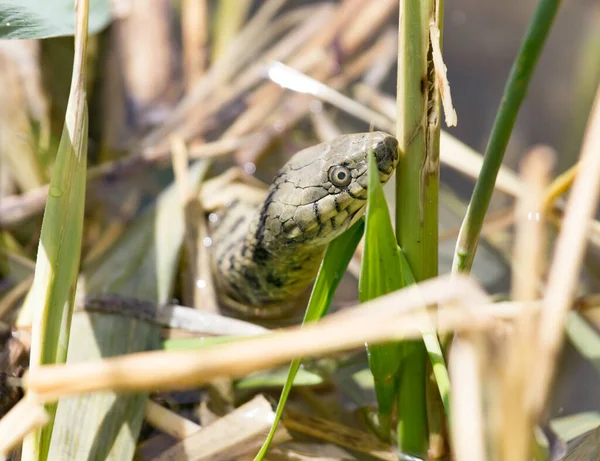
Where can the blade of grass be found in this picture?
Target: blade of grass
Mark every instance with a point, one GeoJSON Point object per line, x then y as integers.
{"type": "Point", "coordinates": [381, 273]}
{"type": "Point", "coordinates": [337, 257]}
{"type": "Point", "coordinates": [52, 294]}
{"type": "Point", "coordinates": [385, 269]}
{"type": "Point", "coordinates": [514, 94]}
{"type": "Point", "coordinates": [105, 425]}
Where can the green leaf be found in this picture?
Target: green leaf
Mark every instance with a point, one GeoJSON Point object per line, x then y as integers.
{"type": "Point", "coordinates": [585, 339]}
{"type": "Point", "coordinates": [337, 257]}
{"type": "Point", "coordinates": [572, 426]}
{"type": "Point", "coordinates": [51, 298]}
{"type": "Point", "coordinates": [277, 378]}
{"type": "Point", "coordinates": [48, 18]}
{"type": "Point", "coordinates": [578, 436]}
{"type": "Point", "coordinates": [386, 269]}
{"type": "Point", "coordinates": [381, 273]}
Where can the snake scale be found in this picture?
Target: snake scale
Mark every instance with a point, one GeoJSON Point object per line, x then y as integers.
{"type": "Point", "coordinates": [267, 254]}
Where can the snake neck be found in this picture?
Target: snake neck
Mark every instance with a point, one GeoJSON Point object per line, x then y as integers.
{"type": "Point", "coordinates": [254, 269]}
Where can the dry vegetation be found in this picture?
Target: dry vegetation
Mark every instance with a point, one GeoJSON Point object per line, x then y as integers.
{"type": "Point", "coordinates": [216, 102]}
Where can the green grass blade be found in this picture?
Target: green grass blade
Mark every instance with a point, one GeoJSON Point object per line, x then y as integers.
{"type": "Point", "coordinates": [380, 274]}
{"type": "Point", "coordinates": [514, 94]}
{"type": "Point", "coordinates": [52, 294]}
{"type": "Point", "coordinates": [386, 269]}
{"type": "Point", "coordinates": [330, 274]}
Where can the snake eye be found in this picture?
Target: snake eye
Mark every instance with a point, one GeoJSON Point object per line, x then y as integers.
{"type": "Point", "coordinates": [339, 176]}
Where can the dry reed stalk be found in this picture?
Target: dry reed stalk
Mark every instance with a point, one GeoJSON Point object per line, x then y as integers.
{"type": "Point", "coordinates": [200, 289]}
{"type": "Point", "coordinates": [230, 62]}
{"type": "Point", "coordinates": [371, 97]}
{"type": "Point", "coordinates": [17, 208]}
{"type": "Point", "coordinates": [264, 100]}
{"type": "Point", "coordinates": [22, 419]}
{"type": "Point", "coordinates": [324, 126]}
{"type": "Point", "coordinates": [109, 235]}
{"type": "Point", "coordinates": [440, 70]}
{"type": "Point", "coordinates": [194, 28]}
{"type": "Point", "coordinates": [380, 69]}
{"type": "Point", "coordinates": [467, 418]}
{"type": "Point", "coordinates": [10, 299]}
{"type": "Point", "coordinates": [297, 105]}
{"type": "Point", "coordinates": [372, 17]}
{"type": "Point", "coordinates": [453, 152]}
{"type": "Point", "coordinates": [387, 318]}
{"type": "Point", "coordinates": [304, 23]}
{"type": "Point", "coordinates": [145, 54]}
{"type": "Point", "coordinates": [238, 433]}
{"type": "Point", "coordinates": [338, 434]}
{"type": "Point", "coordinates": [528, 265]}
{"type": "Point", "coordinates": [559, 186]}
{"type": "Point", "coordinates": [169, 422]}
{"type": "Point", "coordinates": [566, 261]}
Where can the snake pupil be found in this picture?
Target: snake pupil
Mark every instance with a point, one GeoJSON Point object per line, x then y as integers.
{"type": "Point", "coordinates": [339, 176]}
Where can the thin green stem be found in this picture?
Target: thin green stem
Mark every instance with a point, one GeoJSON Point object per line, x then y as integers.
{"type": "Point", "coordinates": [514, 93]}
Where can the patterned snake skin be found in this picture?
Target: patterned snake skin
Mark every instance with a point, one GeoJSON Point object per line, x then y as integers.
{"type": "Point", "coordinates": [267, 254]}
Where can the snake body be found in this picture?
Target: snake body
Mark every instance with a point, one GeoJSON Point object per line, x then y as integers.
{"type": "Point", "coordinates": [266, 254]}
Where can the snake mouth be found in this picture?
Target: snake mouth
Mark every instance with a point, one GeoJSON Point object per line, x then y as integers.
{"type": "Point", "coordinates": [386, 155]}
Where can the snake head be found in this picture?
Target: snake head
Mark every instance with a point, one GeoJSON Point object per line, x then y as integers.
{"type": "Point", "coordinates": [322, 190]}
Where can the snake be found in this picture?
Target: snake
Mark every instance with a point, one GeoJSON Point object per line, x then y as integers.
{"type": "Point", "coordinates": [267, 254]}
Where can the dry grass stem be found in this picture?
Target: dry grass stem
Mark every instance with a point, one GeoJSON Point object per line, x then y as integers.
{"type": "Point", "coordinates": [376, 321]}
{"type": "Point", "coordinates": [232, 59]}
{"type": "Point", "coordinates": [467, 418]}
{"type": "Point", "coordinates": [144, 37]}
{"type": "Point", "coordinates": [199, 290]}
{"type": "Point", "coordinates": [9, 300]}
{"type": "Point", "coordinates": [21, 420]}
{"type": "Point", "coordinates": [369, 96]}
{"type": "Point", "coordinates": [324, 126]}
{"type": "Point", "coordinates": [566, 262]}
{"type": "Point", "coordinates": [294, 79]}
{"type": "Point", "coordinates": [529, 259]}
{"type": "Point", "coordinates": [169, 422]}
{"type": "Point", "coordinates": [530, 244]}
{"type": "Point", "coordinates": [560, 186]}
{"type": "Point", "coordinates": [110, 235]}
{"type": "Point", "coordinates": [371, 17]}
{"type": "Point", "coordinates": [194, 18]}
{"type": "Point", "coordinates": [440, 70]}
{"type": "Point", "coordinates": [238, 433]}
{"type": "Point", "coordinates": [376, 74]}
{"type": "Point", "coordinates": [16, 208]}
{"type": "Point", "coordinates": [338, 434]}
{"type": "Point", "coordinates": [345, 13]}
